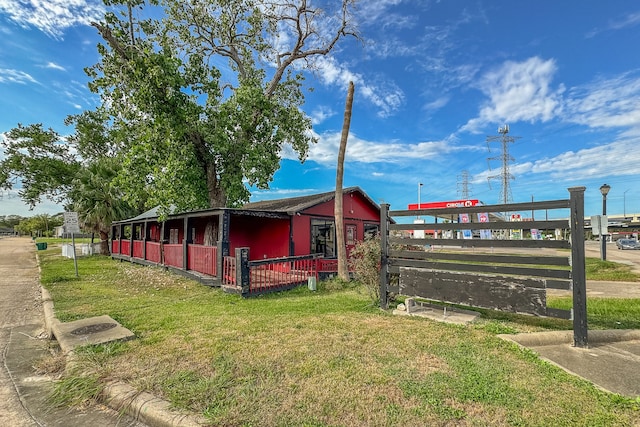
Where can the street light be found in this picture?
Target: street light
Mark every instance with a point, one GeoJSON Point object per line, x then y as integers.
{"type": "Point", "coordinates": [604, 190]}
{"type": "Point", "coordinates": [624, 204]}
{"type": "Point", "coordinates": [419, 190]}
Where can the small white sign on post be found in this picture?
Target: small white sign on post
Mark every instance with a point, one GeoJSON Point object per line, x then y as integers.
{"type": "Point", "coordinates": [72, 225]}
{"type": "Point", "coordinates": [600, 225]}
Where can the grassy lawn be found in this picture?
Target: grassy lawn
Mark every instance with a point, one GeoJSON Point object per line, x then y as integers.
{"type": "Point", "coordinates": [325, 358]}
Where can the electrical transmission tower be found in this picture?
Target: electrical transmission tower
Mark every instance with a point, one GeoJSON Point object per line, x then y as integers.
{"type": "Point", "coordinates": [463, 185]}
{"type": "Point", "coordinates": [504, 176]}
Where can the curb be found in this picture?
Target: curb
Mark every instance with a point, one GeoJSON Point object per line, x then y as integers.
{"type": "Point", "coordinates": [538, 339]}
{"type": "Point", "coordinates": [142, 406]}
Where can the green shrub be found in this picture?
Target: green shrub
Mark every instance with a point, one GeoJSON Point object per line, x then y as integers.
{"type": "Point", "coordinates": [365, 263]}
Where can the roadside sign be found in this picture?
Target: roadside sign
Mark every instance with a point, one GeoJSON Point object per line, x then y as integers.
{"type": "Point", "coordinates": [600, 225]}
{"type": "Point", "coordinates": [71, 223]}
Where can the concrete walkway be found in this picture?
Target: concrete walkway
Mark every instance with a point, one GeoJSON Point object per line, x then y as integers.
{"type": "Point", "coordinates": [611, 361]}
{"type": "Point", "coordinates": [23, 342]}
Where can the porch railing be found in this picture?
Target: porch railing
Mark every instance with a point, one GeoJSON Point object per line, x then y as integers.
{"type": "Point", "coordinates": [268, 275]}
{"type": "Point", "coordinates": [229, 272]}
{"type": "Point", "coordinates": [153, 252]}
{"type": "Point", "coordinates": [173, 255]}
{"type": "Point", "coordinates": [138, 249]}
{"type": "Point", "coordinates": [203, 259]}
{"type": "Point", "coordinates": [125, 247]}
{"type": "Point", "coordinates": [115, 247]}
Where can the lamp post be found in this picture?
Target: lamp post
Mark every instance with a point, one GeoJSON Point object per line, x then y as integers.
{"type": "Point", "coordinates": [419, 191]}
{"type": "Point", "coordinates": [604, 190]}
{"type": "Point", "coordinates": [624, 204]}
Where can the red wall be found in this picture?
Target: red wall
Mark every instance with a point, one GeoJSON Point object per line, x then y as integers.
{"type": "Point", "coordinates": [354, 205]}
{"type": "Point", "coordinates": [357, 211]}
{"type": "Point", "coordinates": [301, 235]}
{"type": "Point", "coordinates": [265, 237]}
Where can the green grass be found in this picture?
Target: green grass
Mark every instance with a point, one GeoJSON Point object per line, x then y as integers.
{"type": "Point", "coordinates": [325, 358]}
{"type": "Point", "coordinates": [597, 269]}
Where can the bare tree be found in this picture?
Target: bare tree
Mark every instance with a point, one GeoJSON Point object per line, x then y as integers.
{"type": "Point", "coordinates": [343, 269]}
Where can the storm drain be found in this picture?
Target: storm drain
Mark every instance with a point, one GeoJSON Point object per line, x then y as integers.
{"type": "Point", "coordinates": [93, 329]}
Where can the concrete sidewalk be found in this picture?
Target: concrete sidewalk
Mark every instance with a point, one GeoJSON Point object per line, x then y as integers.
{"type": "Point", "coordinates": [24, 341]}
{"type": "Point", "coordinates": [28, 324]}
{"type": "Point", "coordinates": [611, 361]}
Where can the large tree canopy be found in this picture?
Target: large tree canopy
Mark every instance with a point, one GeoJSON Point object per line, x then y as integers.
{"type": "Point", "coordinates": [201, 101]}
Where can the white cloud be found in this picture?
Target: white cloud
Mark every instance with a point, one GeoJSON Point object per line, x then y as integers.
{"type": "Point", "coordinates": [611, 103]}
{"type": "Point", "coordinates": [518, 91]}
{"type": "Point", "coordinates": [385, 96]}
{"type": "Point", "coordinates": [8, 75]}
{"type": "Point", "coordinates": [362, 151]}
{"type": "Point", "coordinates": [52, 16]}
{"type": "Point", "coordinates": [629, 20]}
{"type": "Point", "coordinates": [54, 66]}
{"type": "Point", "coordinates": [321, 114]}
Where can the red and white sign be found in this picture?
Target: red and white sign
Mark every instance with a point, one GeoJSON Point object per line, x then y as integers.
{"type": "Point", "coordinates": [444, 205]}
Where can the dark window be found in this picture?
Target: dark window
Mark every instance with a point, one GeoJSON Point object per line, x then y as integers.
{"type": "Point", "coordinates": [323, 237]}
{"type": "Point", "coordinates": [371, 230]}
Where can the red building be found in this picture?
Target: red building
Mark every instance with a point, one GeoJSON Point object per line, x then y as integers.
{"type": "Point", "coordinates": [204, 244]}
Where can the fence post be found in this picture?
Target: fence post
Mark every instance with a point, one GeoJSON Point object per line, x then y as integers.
{"type": "Point", "coordinates": [223, 238]}
{"type": "Point", "coordinates": [186, 238]}
{"type": "Point", "coordinates": [384, 255]}
{"type": "Point", "coordinates": [243, 273]}
{"type": "Point", "coordinates": [578, 274]}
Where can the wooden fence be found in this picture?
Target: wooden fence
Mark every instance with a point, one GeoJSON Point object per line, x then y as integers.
{"type": "Point", "coordinates": [497, 271]}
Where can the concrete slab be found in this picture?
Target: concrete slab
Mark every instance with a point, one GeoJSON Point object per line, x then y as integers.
{"type": "Point", "coordinates": [611, 361]}
{"type": "Point", "coordinates": [94, 330]}
{"type": "Point", "coordinates": [436, 312]}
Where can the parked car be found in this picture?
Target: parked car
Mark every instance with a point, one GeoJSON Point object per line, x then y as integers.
{"type": "Point", "coordinates": [627, 244]}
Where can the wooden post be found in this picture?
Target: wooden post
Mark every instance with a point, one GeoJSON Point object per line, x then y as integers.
{"type": "Point", "coordinates": [132, 231]}
{"type": "Point", "coordinates": [578, 274]}
{"type": "Point", "coordinates": [243, 274]}
{"type": "Point", "coordinates": [384, 255]}
{"type": "Point", "coordinates": [145, 236]}
{"type": "Point", "coordinates": [223, 239]}
{"type": "Point", "coordinates": [186, 238]}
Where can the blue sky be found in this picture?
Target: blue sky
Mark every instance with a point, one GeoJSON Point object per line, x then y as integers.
{"type": "Point", "coordinates": [433, 79]}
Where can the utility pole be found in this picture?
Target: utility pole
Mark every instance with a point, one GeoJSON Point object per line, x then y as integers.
{"type": "Point", "coordinates": [463, 185]}
{"type": "Point", "coordinates": [505, 158]}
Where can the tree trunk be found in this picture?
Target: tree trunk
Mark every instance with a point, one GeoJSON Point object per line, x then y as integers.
{"type": "Point", "coordinates": [343, 269]}
{"type": "Point", "coordinates": [104, 243]}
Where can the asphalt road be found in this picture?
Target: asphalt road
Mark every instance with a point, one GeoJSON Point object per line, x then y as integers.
{"type": "Point", "coordinates": [630, 257]}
